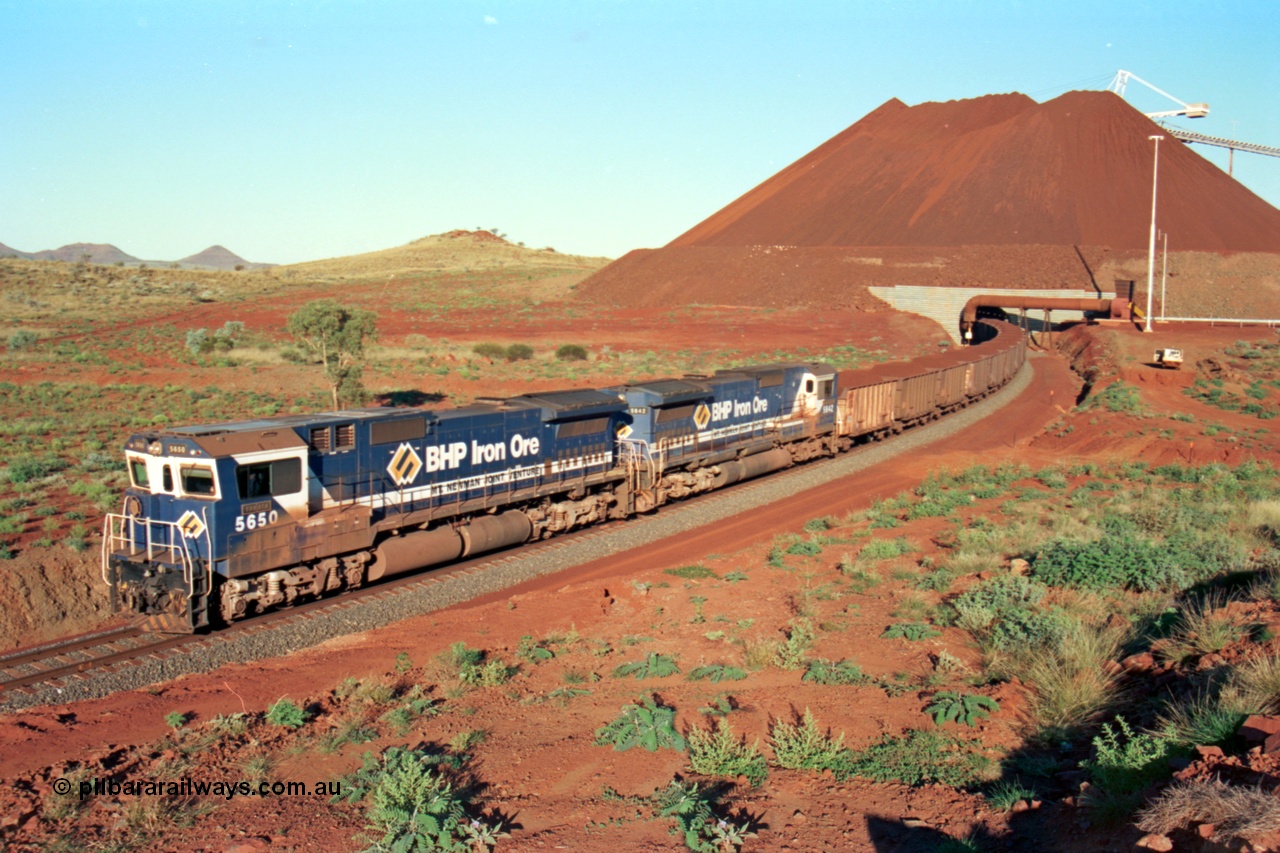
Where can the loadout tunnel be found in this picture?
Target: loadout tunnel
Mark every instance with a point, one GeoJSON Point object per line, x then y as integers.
{"type": "Point", "coordinates": [1114, 308]}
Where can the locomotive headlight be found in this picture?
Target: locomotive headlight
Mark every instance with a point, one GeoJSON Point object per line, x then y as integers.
{"type": "Point", "coordinates": [155, 448]}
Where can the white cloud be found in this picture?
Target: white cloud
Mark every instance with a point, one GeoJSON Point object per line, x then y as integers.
{"type": "Point", "coordinates": [490, 20]}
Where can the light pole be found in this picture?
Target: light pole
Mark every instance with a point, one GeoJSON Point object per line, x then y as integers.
{"type": "Point", "coordinates": [1151, 253]}
{"type": "Point", "coordinates": [1164, 276]}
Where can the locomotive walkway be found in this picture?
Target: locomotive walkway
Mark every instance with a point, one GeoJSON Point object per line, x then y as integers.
{"type": "Point", "coordinates": [283, 632]}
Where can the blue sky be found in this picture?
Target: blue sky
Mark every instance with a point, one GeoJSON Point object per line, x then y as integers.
{"type": "Point", "coordinates": [290, 131]}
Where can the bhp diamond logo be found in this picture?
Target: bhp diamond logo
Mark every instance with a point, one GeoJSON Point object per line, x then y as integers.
{"type": "Point", "coordinates": [405, 465]}
{"type": "Point", "coordinates": [190, 525]}
{"type": "Point", "coordinates": [702, 416]}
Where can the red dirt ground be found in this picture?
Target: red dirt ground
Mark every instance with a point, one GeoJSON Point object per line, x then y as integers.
{"type": "Point", "coordinates": [538, 759]}
{"type": "Point", "coordinates": [546, 787]}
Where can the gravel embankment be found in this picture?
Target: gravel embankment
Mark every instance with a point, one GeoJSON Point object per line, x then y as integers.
{"type": "Point", "coordinates": [435, 593]}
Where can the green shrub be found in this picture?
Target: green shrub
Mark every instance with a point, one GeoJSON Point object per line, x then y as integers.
{"type": "Point", "coordinates": [791, 654]}
{"type": "Point", "coordinates": [1124, 558]}
{"type": "Point", "coordinates": [491, 673]}
{"type": "Point", "coordinates": [490, 351]}
{"type": "Point", "coordinates": [1004, 613]}
{"type": "Point", "coordinates": [286, 714]}
{"type": "Point", "coordinates": [922, 756]}
{"type": "Point", "coordinates": [519, 352]}
{"type": "Point", "coordinates": [653, 666]}
{"type": "Point", "coordinates": [24, 469]}
{"type": "Point", "coordinates": [697, 823]}
{"type": "Point", "coordinates": [648, 725]}
{"type": "Point", "coordinates": [720, 753]}
{"type": "Point", "coordinates": [1124, 764]}
{"type": "Point", "coordinates": [1000, 595]}
{"type": "Point", "coordinates": [175, 719]}
{"type": "Point", "coordinates": [805, 746]}
{"type": "Point", "coordinates": [22, 339]}
{"type": "Point", "coordinates": [804, 548]}
{"type": "Point", "coordinates": [950, 707]}
{"type": "Point", "coordinates": [717, 672]}
{"type": "Point", "coordinates": [465, 741]}
{"type": "Point", "coordinates": [459, 655]}
{"type": "Point", "coordinates": [884, 549]}
{"type": "Point", "coordinates": [822, 671]}
{"type": "Point", "coordinates": [571, 352]}
{"type": "Point", "coordinates": [230, 725]}
{"type": "Point", "coordinates": [1116, 397]}
{"type": "Point", "coordinates": [913, 631]}
{"type": "Point", "coordinates": [532, 651]}
{"type": "Point", "coordinates": [198, 341]}
{"type": "Point", "coordinates": [414, 807]}
{"type": "Point", "coordinates": [691, 572]}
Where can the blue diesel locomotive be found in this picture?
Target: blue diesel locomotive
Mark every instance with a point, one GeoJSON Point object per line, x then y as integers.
{"type": "Point", "coordinates": [226, 520]}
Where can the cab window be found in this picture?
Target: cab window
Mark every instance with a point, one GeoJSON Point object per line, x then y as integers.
{"type": "Point", "coordinates": [138, 471]}
{"type": "Point", "coordinates": [197, 481]}
{"type": "Point", "coordinates": [808, 386]}
{"type": "Point", "coordinates": [168, 478]}
{"type": "Point", "coordinates": [263, 479]}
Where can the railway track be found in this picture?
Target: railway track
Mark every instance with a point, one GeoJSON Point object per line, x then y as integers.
{"type": "Point", "coordinates": [54, 662]}
{"type": "Point", "coordinates": [34, 676]}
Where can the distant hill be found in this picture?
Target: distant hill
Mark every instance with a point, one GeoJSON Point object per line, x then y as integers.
{"type": "Point", "coordinates": [94, 253]}
{"type": "Point", "coordinates": [214, 257]}
{"type": "Point", "coordinates": [220, 258]}
{"type": "Point", "coordinates": [452, 251]}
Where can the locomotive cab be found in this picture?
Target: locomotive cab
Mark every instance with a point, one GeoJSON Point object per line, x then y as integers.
{"type": "Point", "coordinates": [815, 395]}
{"type": "Point", "coordinates": [202, 504]}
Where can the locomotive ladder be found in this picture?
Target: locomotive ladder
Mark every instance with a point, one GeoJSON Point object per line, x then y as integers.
{"type": "Point", "coordinates": [642, 466]}
{"type": "Point", "coordinates": [135, 536]}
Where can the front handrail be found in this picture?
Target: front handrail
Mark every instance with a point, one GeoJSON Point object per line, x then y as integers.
{"type": "Point", "coordinates": [164, 542]}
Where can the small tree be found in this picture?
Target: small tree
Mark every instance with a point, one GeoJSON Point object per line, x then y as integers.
{"type": "Point", "coordinates": [336, 335]}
